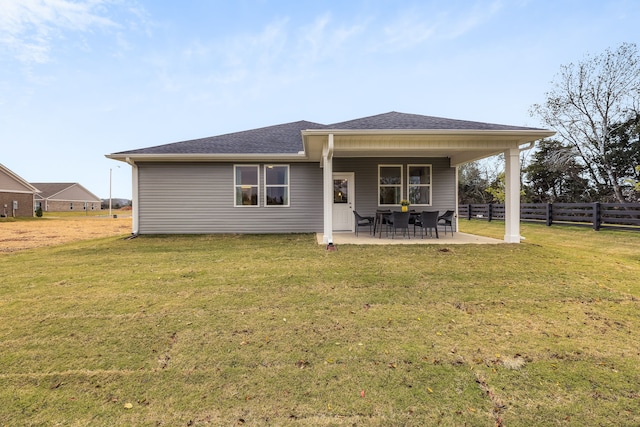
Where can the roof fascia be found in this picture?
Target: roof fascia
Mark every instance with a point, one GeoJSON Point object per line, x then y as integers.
{"type": "Point", "coordinates": [207, 157]}
{"type": "Point", "coordinates": [525, 133]}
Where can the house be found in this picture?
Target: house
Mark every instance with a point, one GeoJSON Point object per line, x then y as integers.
{"type": "Point", "coordinates": [309, 177]}
{"type": "Point", "coordinates": [65, 197]}
{"type": "Point", "coordinates": [16, 194]}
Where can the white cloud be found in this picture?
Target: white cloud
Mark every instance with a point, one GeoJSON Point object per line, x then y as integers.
{"type": "Point", "coordinates": [416, 26]}
{"type": "Point", "coordinates": [477, 16]}
{"type": "Point", "coordinates": [324, 38]}
{"type": "Point", "coordinates": [29, 28]}
{"type": "Point", "coordinates": [407, 31]}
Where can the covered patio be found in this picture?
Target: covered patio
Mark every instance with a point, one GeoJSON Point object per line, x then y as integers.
{"type": "Point", "coordinates": [364, 238]}
{"type": "Point", "coordinates": [398, 138]}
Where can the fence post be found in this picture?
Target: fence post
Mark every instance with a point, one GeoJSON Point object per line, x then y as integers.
{"type": "Point", "coordinates": [490, 212]}
{"type": "Point", "coordinates": [469, 213]}
{"type": "Point", "coordinates": [549, 214]}
{"type": "Point", "coordinates": [596, 216]}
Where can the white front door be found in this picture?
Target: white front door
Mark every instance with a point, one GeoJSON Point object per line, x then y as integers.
{"type": "Point", "coordinates": [343, 201]}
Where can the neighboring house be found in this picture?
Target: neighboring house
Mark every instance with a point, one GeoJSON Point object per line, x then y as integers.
{"type": "Point", "coordinates": [65, 197]}
{"type": "Point", "coordinates": [309, 177]}
{"type": "Point", "coordinates": [16, 194]}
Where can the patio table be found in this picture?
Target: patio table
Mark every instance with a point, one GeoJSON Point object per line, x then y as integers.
{"type": "Point", "coordinates": [380, 216]}
{"type": "Point", "coordinates": [379, 219]}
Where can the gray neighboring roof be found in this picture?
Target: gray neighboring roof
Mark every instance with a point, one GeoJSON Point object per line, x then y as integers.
{"type": "Point", "coordinates": [278, 139]}
{"type": "Point", "coordinates": [48, 190]}
{"type": "Point", "coordinates": [287, 139]}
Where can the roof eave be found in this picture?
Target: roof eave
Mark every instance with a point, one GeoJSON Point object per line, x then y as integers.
{"type": "Point", "coordinates": [207, 157]}
{"type": "Point", "coordinates": [536, 133]}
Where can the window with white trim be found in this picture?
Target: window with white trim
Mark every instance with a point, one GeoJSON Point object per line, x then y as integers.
{"type": "Point", "coordinates": [389, 185]}
{"type": "Point", "coordinates": [246, 184]}
{"type": "Point", "coordinates": [419, 184]}
{"type": "Point", "coordinates": [276, 185]}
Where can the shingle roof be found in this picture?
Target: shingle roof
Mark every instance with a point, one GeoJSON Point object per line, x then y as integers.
{"type": "Point", "coordinates": [286, 138]}
{"type": "Point", "coordinates": [278, 139]}
{"type": "Point", "coordinates": [395, 120]}
{"type": "Point", "coordinates": [48, 189]}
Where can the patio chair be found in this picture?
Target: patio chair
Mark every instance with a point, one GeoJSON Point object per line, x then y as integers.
{"type": "Point", "coordinates": [362, 221]}
{"type": "Point", "coordinates": [400, 220]}
{"type": "Point", "coordinates": [447, 221]}
{"type": "Point", "coordinates": [428, 221]}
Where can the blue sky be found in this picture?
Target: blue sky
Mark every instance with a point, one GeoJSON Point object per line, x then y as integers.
{"type": "Point", "coordinates": [81, 79]}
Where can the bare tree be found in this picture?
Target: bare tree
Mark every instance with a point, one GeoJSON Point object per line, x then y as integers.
{"type": "Point", "coordinates": [588, 99]}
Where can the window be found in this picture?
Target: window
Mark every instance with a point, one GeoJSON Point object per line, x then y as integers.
{"type": "Point", "coordinates": [276, 185]}
{"type": "Point", "coordinates": [419, 184]}
{"type": "Point", "coordinates": [246, 185]}
{"type": "Point", "coordinates": [340, 191]}
{"type": "Point", "coordinates": [71, 206]}
{"type": "Point", "coordinates": [389, 184]}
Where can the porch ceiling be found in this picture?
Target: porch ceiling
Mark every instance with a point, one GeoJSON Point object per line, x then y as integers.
{"type": "Point", "coordinates": [459, 146]}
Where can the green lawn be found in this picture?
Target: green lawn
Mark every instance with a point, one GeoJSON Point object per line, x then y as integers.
{"type": "Point", "coordinates": [274, 330]}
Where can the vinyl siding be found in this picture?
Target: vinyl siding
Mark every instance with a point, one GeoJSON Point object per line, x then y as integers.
{"type": "Point", "coordinates": [366, 181]}
{"type": "Point", "coordinates": [195, 198]}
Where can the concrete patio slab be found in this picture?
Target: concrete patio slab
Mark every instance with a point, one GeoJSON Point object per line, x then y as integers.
{"type": "Point", "coordinates": [364, 238]}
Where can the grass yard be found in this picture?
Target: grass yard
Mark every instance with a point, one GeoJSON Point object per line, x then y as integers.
{"type": "Point", "coordinates": [274, 330]}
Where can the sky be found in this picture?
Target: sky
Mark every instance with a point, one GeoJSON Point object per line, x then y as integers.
{"type": "Point", "coordinates": [82, 79]}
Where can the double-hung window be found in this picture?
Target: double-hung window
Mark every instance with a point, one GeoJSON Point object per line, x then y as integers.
{"type": "Point", "coordinates": [276, 185]}
{"type": "Point", "coordinates": [389, 184]}
{"type": "Point", "coordinates": [419, 184]}
{"type": "Point", "coordinates": [246, 184]}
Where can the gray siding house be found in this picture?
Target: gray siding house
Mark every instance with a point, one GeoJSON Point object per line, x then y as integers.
{"type": "Point", "coordinates": [308, 177]}
{"type": "Point", "coordinates": [65, 197]}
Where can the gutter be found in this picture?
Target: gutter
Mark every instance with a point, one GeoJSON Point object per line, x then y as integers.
{"type": "Point", "coordinates": [529, 146]}
{"type": "Point", "coordinates": [207, 157]}
{"type": "Point", "coordinates": [492, 132]}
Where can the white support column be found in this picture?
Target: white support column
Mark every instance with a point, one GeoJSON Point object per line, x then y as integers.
{"type": "Point", "coordinates": [327, 175]}
{"type": "Point", "coordinates": [512, 196]}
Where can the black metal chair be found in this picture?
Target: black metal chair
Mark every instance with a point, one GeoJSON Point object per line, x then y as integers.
{"type": "Point", "coordinates": [447, 219]}
{"type": "Point", "coordinates": [428, 222]}
{"type": "Point", "coordinates": [400, 220]}
{"type": "Point", "coordinates": [362, 221]}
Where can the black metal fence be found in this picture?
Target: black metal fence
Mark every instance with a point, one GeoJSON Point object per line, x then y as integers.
{"type": "Point", "coordinates": [597, 215]}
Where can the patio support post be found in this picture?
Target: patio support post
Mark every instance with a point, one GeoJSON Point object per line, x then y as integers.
{"type": "Point", "coordinates": [327, 175]}
{"type": "Point", "coordinates": [512, 195]}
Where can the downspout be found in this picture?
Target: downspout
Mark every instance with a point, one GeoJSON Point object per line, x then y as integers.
{"type": "Point", "coordinates": [456, 198]}
{"type": "Point", "coordinates": [135, 206]}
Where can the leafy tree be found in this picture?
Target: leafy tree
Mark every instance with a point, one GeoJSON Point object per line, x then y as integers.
{"type": "Point", "coordinates": [473, 180]}
{"type": "Point", "coordinates": [624, 156]}
{"type": "Point", "coordinates": [497, 189]}
{"type": "Point", "coordinates": [588, 99]}
{"type": "Point", "coordinates": [555, 175]}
